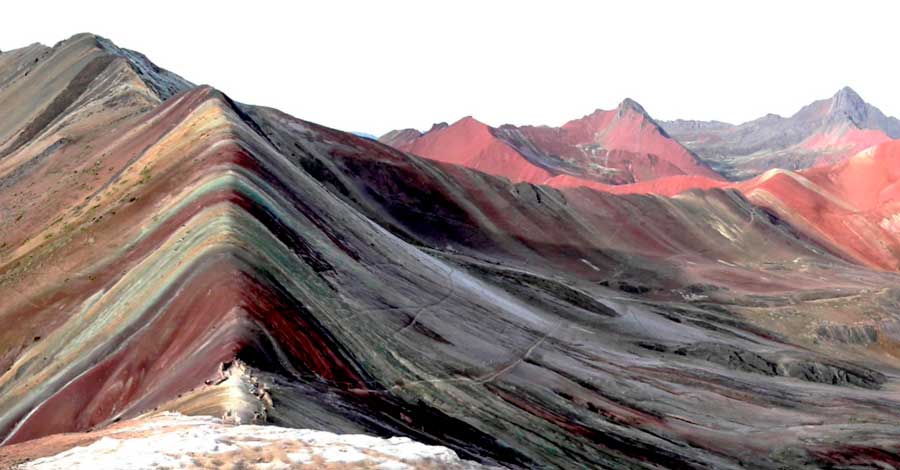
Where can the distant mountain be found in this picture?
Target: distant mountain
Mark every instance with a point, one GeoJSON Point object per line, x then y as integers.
{"type": "Point", "coordinates": [619, 146]}
{"type": "Point", "coordinates": [826, 131]}
{"type": "Point", "coordinates": [365, 135]}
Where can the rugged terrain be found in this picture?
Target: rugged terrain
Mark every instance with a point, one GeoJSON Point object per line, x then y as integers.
{"type": "Point", "coordinates": [168, 249]}
{"type": "Point", "coordinates": [826, 131]}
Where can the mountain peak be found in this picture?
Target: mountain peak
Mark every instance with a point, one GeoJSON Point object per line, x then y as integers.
{"type": "Point", "coordinates": [161, 82]}
{"type": "Point", "coordinates": [468, 118]}
{"type": "Point", "coordinates": [846, 103]}
{"type": "Point", "coordinates": [847, 93]}
{"type": "Point", "coordinates": [629, 104]}
{"type": "Point", "coordinates": [89, 39]}
{"type": "Point", "coordinates": [438, 126]}
{"type": "Point", "coordinates": [468, 121]}
{"type": "Point", "coordinates": [400, 137]}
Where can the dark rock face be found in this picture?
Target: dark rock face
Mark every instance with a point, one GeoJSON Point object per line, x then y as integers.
{"type": "Point", "coordinates": [810, 370]}
{"type": "Point", "coordinates": [834, 374]}
{"type": "Point", "coordinates": [848, 334]}
{"type": "Point", "coordinates": [731, 357]}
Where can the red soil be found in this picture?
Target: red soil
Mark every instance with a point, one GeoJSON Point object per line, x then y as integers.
{"type": "Point", "coordinates": [839, 144]}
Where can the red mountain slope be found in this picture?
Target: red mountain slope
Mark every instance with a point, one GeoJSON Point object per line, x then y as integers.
{"type": "Point", "coordinates": [621, 146]}
{"type": "Point", "coordinates": [471, 143]}
{"type": "Point", "coordinates": [852, 207]}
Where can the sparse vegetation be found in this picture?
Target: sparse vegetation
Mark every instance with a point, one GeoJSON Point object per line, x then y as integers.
{"type": "Point", "coordinates": [145, 174]}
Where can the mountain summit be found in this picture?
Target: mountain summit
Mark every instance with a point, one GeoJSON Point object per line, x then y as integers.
{"type": "Point", "coordinates": [847, 104]}
{"type": "Point", "coordinates": [629, 104]}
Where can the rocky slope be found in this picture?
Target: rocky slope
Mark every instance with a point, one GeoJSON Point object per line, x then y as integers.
{"type": "Point", "coordinates": [826, 131]}
{"type": "Point", "coordinates": [188, 253]}
{"type": "Point", "coordinates": [624, 145]}
{"type": "Point", "coordinates": [175, 441]}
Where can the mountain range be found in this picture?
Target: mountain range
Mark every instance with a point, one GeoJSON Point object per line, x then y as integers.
{"type": "Point", "coordinates": [596, 295]}
{"type": "Point", "coordinates": [626, 145]}
{"type": "Point", "coordinates": [826, 131]}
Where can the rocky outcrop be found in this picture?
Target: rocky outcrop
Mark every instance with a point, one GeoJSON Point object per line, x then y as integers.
{"type": "Point", "coordinates": [731, 357]}
{"type": "Point", "coordinates": [848, 334]}
{"type": "Point", "coordinates": [810, 370]}
{"type": "Point", "coordinates": [833, 373]}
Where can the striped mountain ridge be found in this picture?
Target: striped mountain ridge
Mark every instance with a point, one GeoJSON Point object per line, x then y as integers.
{"type": "Point", "coordinates": [189, 253]}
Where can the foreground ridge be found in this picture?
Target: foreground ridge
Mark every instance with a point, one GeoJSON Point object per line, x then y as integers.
{"type": "Point", "coordinates": [179, 442]}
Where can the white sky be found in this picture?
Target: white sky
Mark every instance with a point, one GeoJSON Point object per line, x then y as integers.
{"type": "Point", "coordinates": [373, 66]}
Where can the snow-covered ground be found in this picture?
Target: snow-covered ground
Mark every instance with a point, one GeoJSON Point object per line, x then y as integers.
{"type": "Point", "coordinates": [174, 441]}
